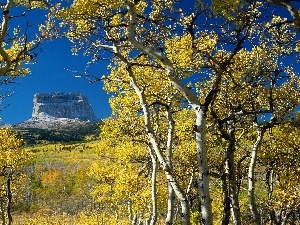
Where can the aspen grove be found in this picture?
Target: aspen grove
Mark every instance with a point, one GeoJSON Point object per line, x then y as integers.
{"type": "Point", "coordinates": [194, 87]}
{"type": "Point", "coordinates": [204, 96]}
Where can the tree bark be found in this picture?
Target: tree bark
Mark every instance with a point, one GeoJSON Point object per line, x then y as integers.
{"type": "Point", "coordinates": [167, 170]}
{"type": "Point", "coordinates": [226, 200]}
{"type": "Point", "coordinates": [251, 179]}
{"type": "Point", "coordinates": [170, 211]}
{"type": "Point", "coordinates": [9, 200]}
{"type": "Point", "coordinates": [229, 178]}
{"type": "Point", "coordinates": [233, 193]}
{"type": "Point", "coordinates": [203, 182]}
{"type": "Point", "coordinates": [2, 212]}
{"type": "Point", "coordinates": [200, 126]}
{"type": "Point", "coordinates": [169, 151]}
{"type": "Point", "coordinates": [153, 188]}
{"type": "Point", "coordinates": [3, 33]}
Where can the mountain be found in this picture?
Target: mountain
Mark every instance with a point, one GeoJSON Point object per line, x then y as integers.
{"type": "Point", "coordinates": [62, 105]}
{"type": "Point", "coordinates": [59, 108]}
{"type": "Point", "coordinates": [59, 117]}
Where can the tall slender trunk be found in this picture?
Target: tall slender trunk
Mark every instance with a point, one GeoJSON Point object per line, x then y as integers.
{"type": "Point", "coordinates": [269, 182]}
{"type": "Point", "coordinates": [134, 220]}
{"type": "Point", "coordinates": [192, 99]}
{"type": "Point", "coordinates": [3, 33]}
{"type": "Point", "coordinates": [188, 189]}
{"type": "Point", "coordinates": [185, 210]}
{"type": "Point", "coordinates": [131, 215]}
{"type": "Point", "coordinates": [233, 194]}
{"type": "Point", "coordinates": [2, 212]}
{"type": "Point", "coordinates": [226, 200]}
{"type": "Point", "coordinates": [203, 182]}
{"type": "Point", "coordinates": [9, 200]}
{"type": "Point", "coordinates": [153, 188]}
{"type": "Point", "coordinates": [251, 179]}
{"type": "Point", "coordinates": [232, 183]}
{"type": "Point", "coordinates": [200, 125]}
{"type": "Point", "coordinates": [169, 151]}
{"type": "Point", "coordinates": [170, 212]}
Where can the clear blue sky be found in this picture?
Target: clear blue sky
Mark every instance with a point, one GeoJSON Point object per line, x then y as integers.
{"type": "Point", "coordinates": [50, 74]}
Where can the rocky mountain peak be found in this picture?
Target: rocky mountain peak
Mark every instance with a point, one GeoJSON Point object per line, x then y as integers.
{"type": "Point", "coordinates": [62, 105]}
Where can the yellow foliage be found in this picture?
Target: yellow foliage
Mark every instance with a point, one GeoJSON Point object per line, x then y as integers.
{"type": "Point", "coordinates": [15, 53]}
{"type": "Point", "coordinates": [297, 48]}
{"type": "Point", "coordinates": [186, 53]}
{"type": "Point", "coordinates": [40, 218]}
{"type": "Point", "coordinates": [12, 155]}
{"type": "Point", "coordinates": [281, 149]}
{"type": "Point", "coordinates": [49, 177]}
{"type": "Point", "coordinates": [120, 179]}
{"type": "Point", "coordinates": [179, 50]}
{"type": "Point", "coordinates": [31, 4]}
{"type": "Point", "coordinates": [93, 218]}
{"type": "Point", "coordinates": [227, 8]}
{"type": "Point", "coordinates": [206, 43]}
{"type": "Point", "coordinates": [101, 218]}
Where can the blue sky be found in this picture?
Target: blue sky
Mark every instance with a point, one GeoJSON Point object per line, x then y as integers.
{"type": "Point", "coordinates": [52, 73]}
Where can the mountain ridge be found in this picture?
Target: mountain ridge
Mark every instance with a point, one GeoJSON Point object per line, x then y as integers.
{"type": "Point", "coordinates": [51, 110]}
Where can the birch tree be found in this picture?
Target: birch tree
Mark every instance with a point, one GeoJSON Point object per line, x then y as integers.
{"type": "Point", "coordinates": [189, 43]}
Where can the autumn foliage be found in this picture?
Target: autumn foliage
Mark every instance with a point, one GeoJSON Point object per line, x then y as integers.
{"type": "Point", "coordinates": [205, 123]}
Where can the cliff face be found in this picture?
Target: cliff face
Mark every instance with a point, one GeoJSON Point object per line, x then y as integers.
{"type": "Point", "coordinates": [62, 105]}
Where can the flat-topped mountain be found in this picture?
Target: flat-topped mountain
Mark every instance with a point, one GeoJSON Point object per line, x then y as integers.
{"type": "Point", "coordinates": [62, 105]}
{"type": "Point", "coordinates": [59, 108]}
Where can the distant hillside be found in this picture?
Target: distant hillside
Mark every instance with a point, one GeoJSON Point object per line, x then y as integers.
{"type": "Point", "coordinates": [72, 132]}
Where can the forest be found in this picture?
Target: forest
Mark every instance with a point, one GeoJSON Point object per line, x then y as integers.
{"type": "Point", "coordinates": [205, 123]}
{"type": "Point", "coordinates": [69, 133]}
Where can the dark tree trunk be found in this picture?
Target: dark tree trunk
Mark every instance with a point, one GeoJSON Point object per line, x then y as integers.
{"type": "Point", "coordinates": [2, 212]}
{"type": "Point", "coordinates": [226, 200]}
{"type": "Point", "coordinates": [9, 200]}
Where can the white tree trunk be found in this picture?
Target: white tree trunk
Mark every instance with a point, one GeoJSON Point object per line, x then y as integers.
{"type": "Point", "coordinates": [170, 211]}
{"type": "Point", "coordinates": [3, 32]}
{"type": "Point", "coordinates": [169, 151]}
{"type": "Point", "coordinates": [153, 189]}
{"type": "Point", "coordinates": [185, 211]}
{"type": "Point", "coordinates": [232, 183]}
{"type": "Point", "coordinates": [251, 178]}
{"type": "Point", "coordinates": [203, 183]}
{"type": "Point", "coordinates": [233, 193]}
